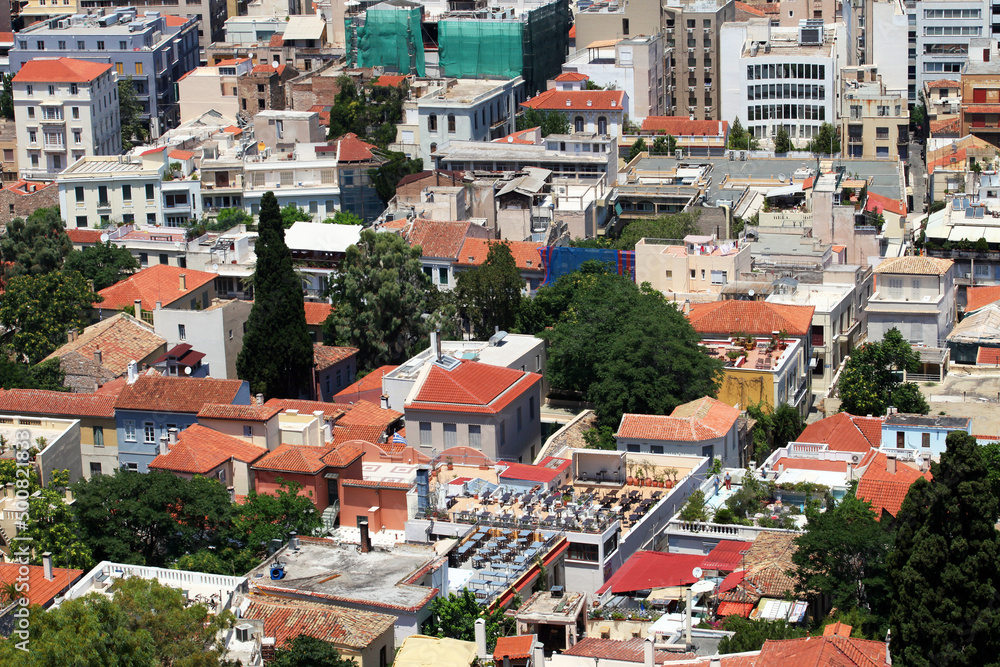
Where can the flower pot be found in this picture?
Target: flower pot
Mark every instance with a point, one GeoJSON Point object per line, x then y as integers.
{"type": "Point", "coordinates": [668, 484]}
{"type": "Point", "coordinates": [649, 482]}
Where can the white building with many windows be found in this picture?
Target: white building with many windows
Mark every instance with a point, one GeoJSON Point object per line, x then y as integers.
{"type": "Point", "coordinates": [944, 29]}
{"type": "Point", "coordinates": [307, 178]}
{"type": "Point", "coordinates": [771, 77]}
{"type": "Point", "coordinates": [65, 109]}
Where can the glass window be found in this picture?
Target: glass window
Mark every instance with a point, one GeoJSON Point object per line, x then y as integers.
{"type": "Point", "coordinates": [148, 433]}
{"type": "Point", "coordinates": [425, 434]}
{"type": "Point", "coordinates": [580, 551]}
{"type": "Point", "coordinates": [98, 436]}
{"type": "Point", "coordinates": [475, 436]}
{"type": "Point", "coordinates": [450, 435]}
{"type": "Point", "coordinates": [95, 468]}
{"type": "Point", "coordinates": [130, 430]}
{"type": "Point", "coordinates": [519, 419]}
{"type": "Point", "coordinates": [247, 431]}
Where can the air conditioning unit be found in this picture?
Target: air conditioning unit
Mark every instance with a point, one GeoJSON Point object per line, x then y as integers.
{"type": "Point", "coordinates": [244, 632]}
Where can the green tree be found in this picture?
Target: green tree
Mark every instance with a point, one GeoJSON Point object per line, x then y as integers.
{"type": "Point", "coordinates": [637, 149]}
{"type": "Point", "coordinates": [664, 145]}
{"type": "Point", "coordinates": [344, 218]}
{"type": "Point", "coordinates": [135, 131]}
{"type": "Point", "coordinates": [40, 309]}
{"type": "Point", "coordinates": [104, 263]}
{"type": "Point", "coordinates": [740, 139]}
{"type": "Point", "coordinates": [455, 616]}
{"type": "Point", "coordinates": [600, 437]}
{"type": "Point", "coordinates": [751, 635]}
{"type": "Point", "coordinates": [306, 651]}
{"type": "Point", "coordinates": [290, 214]}
{"type": "Point", "coordinates": [231, 217]}
{"type": "Point", "coordinates": [782, 142]}
{"type": "Point", "coordinates": [945, 581]}
{"type": "Point", "coordinates": [694, 509]}
{"type": "Point", "coordinates": [7, 97]}
{"type": "Point", "coordinates": [773, 430]}
{"type": "Point", "coordinates": [826, 141]}
{"type": "Point", "coordinates": [277, 354]}
{"type": "Point", "coordinates": [872, 378]}
{"type": "Point", "coordinates": [51, 527]}
{"type": "Point", "coordinates": [489, 295]}
{"type": "Point", "coordinates": [549, 122]}
{"type": "Point", "coordinates": [670, 226]}
{"type": "Point", "coordinates": [370, 112]}
{"type": "Point", "coordinates": [36, 245]}
{"type": "Point", "coordinates": [19, 375]}
{"type": "Point", "coordinates": [387, 175]}
{"type": "Point", "coordinates": [380, 295]}
{"type": "Point", "coordinates": [265, 517]}
{"type": "Point", "coordinates": [841, 558]}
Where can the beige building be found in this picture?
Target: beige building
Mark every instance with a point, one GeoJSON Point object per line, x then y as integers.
{"type": "Point", "coordinates": [943, 98]}
{"type": "Point", "coordinates": [256, 424]}
{"type": "Point", "coordinates": [212, 88]}
{"type": "Point", "coordinates": [8, 151]}
{"type": "Point", "coordinates": [696, 269]}
{"type": "Point", "coordinates": [915, 295]}
{"type": "Point", "coordinates": [875, 121]}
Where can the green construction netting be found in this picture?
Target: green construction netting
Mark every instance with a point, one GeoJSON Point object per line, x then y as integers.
{"type": "Point", "coordinates": [389, 38]}
{"type": "Point", "coordinates": [546, 41]}
{"type": "Point", "coordinates": [471, 49]}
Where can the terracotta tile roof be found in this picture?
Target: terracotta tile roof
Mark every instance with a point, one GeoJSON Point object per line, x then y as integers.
{"type": "Point", "coordinates": [472, 387]}
{"type": "Point", "coordinates": [682, 126]}
{"type": "Point", "coordinates": [842, 433]}
{"type": "Point", "coordinates": [276, 40]}
{"type": "Point", "coordinates": [120, 339]}
{"type": "Point", "coordinates": [352, 149]}
{"type": "Point", "coordinates": [390, 80]}
{"type": "Point", "coordinates": [871, 428]}
{"type": "Point", "coordinates": [57, 403]}
{"type": "Point", "coordinates": [455, 177]}
{"type": "Point", "coordinates": [175, 21]}
{"type": "Point", "coordinates": [750, 317]}
{"type": "Point", "coordinates": [366, 413]}
{"type": "Point", "coordinates": [884, 490]}
{"type": "Point", "coordinates": [943, 83]}
{"type": "Point", "coordinates": [977, 297]}
{"type": "Point", "coordinates": [176, 394]}
{"type": "Point", "coordinates": [341, 456]}
{"type": "Point", "coordinates": [515, 648]}
{"type": "Point", "coordinates": [572, 32]}
{"type": "Point", "coordinates": [286, 619]}
{"type": "Point", "coordinates": [914, 265]}
{"type": "Point", "coordinates": [180, 155]}
{"type": "Point", "coordinates": [439, 238]}
{"type": "Point", "coordinates": [363, 432]}
{"type": "Point", "coordinates": [947, 125]}
{"type": "Point", "coordinates": [242, 413]}
{"type": "Point", "coordinates": [982, 108]}
{"type": "Point", "coordinates": [7, 37]}
{"type": "Point", "coordinates": [376, 484]}
{"type": "Point", "coordinates": [39, 590]}
{"type": "Point", "coordinates": [160, 282]}
{"type": "Point", "coordinates": [60, 70]}
{"type": "Point", "coordinates": [727, 555]}
{"type": "Point", "coordinates": [307, 459]}
{"type": "Point", "coordinates": [630, 650]}
{"type": "Point", "coordinates": [727, 608]}
{"type": "Point", "coordinates": [572, 76]}
{"type": "Point", "coordinates": [838, 628]}
{"type": "Point", "coordinates": [233, 130]}
{"type": "Point", "coordinates": [812, 464]}
{"type": "Point", "coordinates": [330, 410]}
{"type": "Point", "coordinates": [546, 471]}
{"type": "Point", "coordinates": [704, 419]}
{"type": "Point", "coordinates": [199, 450]}
{"type": "Point", "coordinates": [520, 137]}
{"type": "Point", "coordinates": [877, 203]}
{"type": "Point", "coordinates": [112, 388]}
{"type": "Point", "coordinates": [988, 356]}
{"type": "Point", "coordinates": [84, 235]}
{"type": "Point", "coordinates": [526, 253]}
{"type": "Point", "coordinates": [370, 382]}
{"type": "Point", "coordinates": [316, 313]}
{"type": "Point", "coordinates": [749, 9]}
{"type": "Point", "coordinates": [325, 356]}
{"type": "Point", "coordinates": [767, 564]}
{"type": "Point", "coordinates": [653, 569]}
{"type": "Point", "coordinates": [831, 651]}
{"type": "Point", "coordinates": [562, 100]}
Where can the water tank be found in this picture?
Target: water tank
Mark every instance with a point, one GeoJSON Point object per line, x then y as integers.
{"type": "Point", "coordinates": [277, 572]}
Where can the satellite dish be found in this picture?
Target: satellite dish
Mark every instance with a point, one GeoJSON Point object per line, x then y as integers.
{"type": "Point", "coordinates": [215, 267]}
{"type": "Point", "coordinates": [697, 572]}
{"type": "Point", "coordinates": [750, 293]}
{"type": "Point", "coordinates": [104, 237]}
{"type": "Point", "coordinates": [781, 177]}
{"type": "Point", "coordinates": [187, 371]}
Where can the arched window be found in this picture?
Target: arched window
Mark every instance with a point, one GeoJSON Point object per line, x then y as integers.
{"type": "Point", "coordinates": [451, 123]}
{"type": "Point", "coordinates": [432, 123]}
{"type": "Point", "coordinates": [434, 148]}
{"type": "Point", "coordinates": [602, 125]}
{"type": "Point", "coordinates": [578, 124]}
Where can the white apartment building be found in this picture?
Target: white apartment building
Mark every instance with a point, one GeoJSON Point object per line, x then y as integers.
{"type": "Point", "coordinates": [309, 180]}
{"type": "Point", "coordinates": [944, 29]}
{"type": "Point", "coordinates": [466, 110]}
{"type": "Point", "coordinates": [915, 295]}
{"type": "Point", "coordinates": [634, 66]}
{"type": "Point", "coordinates": [771, 77]}
{"type": "Point", "coordinates": [65, 109]}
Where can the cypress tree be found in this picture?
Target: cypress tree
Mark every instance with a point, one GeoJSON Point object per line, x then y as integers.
{"type": "Point", "coordinates": [277, 354]}
{"type": "Point", "coordinates": [945, 565]}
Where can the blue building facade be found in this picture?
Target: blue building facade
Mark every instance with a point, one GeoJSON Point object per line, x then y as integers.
{"type": "Point", "coordinates": [920, 435]}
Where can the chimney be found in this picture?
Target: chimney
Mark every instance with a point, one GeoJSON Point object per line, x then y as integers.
{"type": "Point", "coordinates": [366, 544]}
{"type": "Point", "coordinates": [172, 435]}
{"type": "Point", "coordinates": [538, 655]}
{"type": "Point", "coordinates": [687, 306]}
{"type": "Point", "coordinates": [890, 465]}
{"type": "Point", "coordinates": [260, 399]}
{"type": "Point", "coordinates": [384, 401]}
{"type": "Point", "coordinates": [138, 309]}
{"type": "Point", "coordinates": [164, 445]}
{"type": "Point", "coordinates": [436, 344]}
{"type": "Point", "coordinates": [481, 639]}
{"type": "Point", "coordinates": [648, 652]}
{"type": "Point", "coordinates": [293, 540]}
{"type": "Point", "coordinates": [47, 565]}
{"type": "Point", "coordinates": [133, 371]}
{"type": "Point", "coordinates": [689, 613]}
{"type": "Point", "coordinates": [71, 336]}
{"type": "Point", "coordinates": [159, 305]}
{"type": "Point", "coordinates": [98, 357]}
{"type": "Point", "coordinates": [183, 282]}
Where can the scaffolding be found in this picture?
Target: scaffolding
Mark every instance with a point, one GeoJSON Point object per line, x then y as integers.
{"type": "Point", "coordinates": [388, 37]}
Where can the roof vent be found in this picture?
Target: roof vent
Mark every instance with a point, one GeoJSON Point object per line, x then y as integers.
{"type": "Point", "coordinates": [569, 103]}
{"type": "Point", "coordinates": [590, 103]}
{"type": "Point", "coordinates": [556, 591]}
{"type": "Point", "coordinates": [612, 103]}
{"type": "Point", "coordinates": [497, 338]}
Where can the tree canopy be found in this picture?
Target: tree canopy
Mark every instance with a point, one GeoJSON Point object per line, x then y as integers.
{"type": "Point", "coordinates": [7, 97]}
{"type": "Point", "coordinates": [740, 139]}
{"type": "Point", "coordinates": [638, 148]}
{"type": "Point", "coordinates": [277, 354]}
{"type": "Point", "coordinates": [290, 214]}
{"type": "Point", "coordinates": [826, 141]}
{"type": "Point", "coordinates": [387, 175]}
{"type": "Point", "coordinates": [371, 113]}
{"type": "Point", "coordinates": [455, 616]}
{"type": "Point", "coordinates": [945, 584]}
{"type": "Point", "coordinates": [134, 131]}
{"type": "Point", "coordinates": [489, 295]}
{"type": "Point", "coordinates": [773, 430]}
{"type": "Point", "coordinates": [16, 374]}
{"type": "Point", "coordinates": [664, 145]}
{"type": "Point", "coordinates": [40, 309]}
{"type": "Point", "coordinates": [550, 122]}
{"type": "Point", "coordinates": [782, 142]}
{"type": "Point", "coordinates": [35, 246]}
{"type": "Point", "coordinates": [751, 635]}
{"type": "Point", "coordinates": [668, 226]}
{"type": "Point", "coordinates": [872, 378]}
{"type": "Point", "coordinates": [306, 651]}
{"type": "Point", "coordinates": [104, 263]}
{"type": "Point", "coordinates": [343, 218]}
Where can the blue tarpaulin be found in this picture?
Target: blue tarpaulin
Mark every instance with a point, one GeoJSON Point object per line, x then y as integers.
{"type": "Point", "coordinates": [560, 261]}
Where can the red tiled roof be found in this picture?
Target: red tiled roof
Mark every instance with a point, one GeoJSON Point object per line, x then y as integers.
{"type": "Point", "coordinates": [572, 76]}
{"type": "Point", "coordinates": [364, 432]}
{"type": "Point", "coordinates": [526, 254]}
{"type": "Point", "coordinates": [453, 176]}
{"type": "Point", "coordinates": [884, 490]}
{"type": "Point", "coordinates": [544, 472]}
{"type": "Point", "coordinates": [160, 149]}
{"type": "Point", "coordinates": [376, 484]}
{"type": "Point", "coordinates": [276, 40]}
{"type": "Point", "coordinates": [366, 413]}
{"type": "Point", "coordinates": [316, 313]}
{"type": "Point", "coordinates": [286, 619]}
{"type": "Point", "coordinates": [838, 628]}
{"type": "Point", "coordinates": [38, 589]}
{"type": "Point", "coordinates": [750, 317]}
{"type": "Point", "coordinates": [561, 100]}
{"type": "Point", "coordinates": [871, 428]}
{"type": "Point", "coordinates": [84, 235]}
{"type": "Point", "coordinates": [370, 382]}
{"type": "Point", "coordinates": [914, 265]}
{"type": "Point", "coordinates": [749, 9]}
{"type": "Point", "coordinates": [977, 297]}
{"type": "Point", "coordinates": [812, 464]}
{"type": "Point", "coordinates": [943, 83]}
{"type": "Point", "coordinates": [439, 238]}
{"type": "Point", "coordinates": [180, 155]}
{"type": "Point", "coordinates": [60, 70]}
{"type": "Point", "coordinates": [328, 355]}
{"type": "Point", "coordinates": [353, 149]}
{"type": "Point", "coordinates": [515, 648]}
{"type": "Point", "coordinates": [57, 403]}
{"type": "Point", "coordinates": [472, 387]}
{"type": "Point", "coordinates": [653, 569]}
{"type": "Point", "coordinates": [726, 555]}
{"type": "Point", "coordinates": [629, 650]}
{"type": "Point", "coordinates": [979, 108]}
{"type": "Point", "coordinates": [199, 450]}
{"type": "Point", "coordinates": [518, 137]}
{"type": "Point", "coordinates": [307, 459]}
{"type": "Point", "coordinates": [7, 37]}
{"type": "Point", "coordinates": [841, 432]}
{"type": "Point", "coordinates": [988, 356]}
{"type": "Point", "coordinates": [160, 282]}
{"type": "Point", "coordinates": [176, 394]}
{"type": "Point", "coordinates": [831, 651]}
{"type": "Point", "coordinates": [120, 339]}
{"type": "Point", "coordinates": [703, 419]}
{"type": "Point", "coordinates": [175, 21]}
{"type": "Point", "coordinates": [572, 32]}
{"type": "Point", "coordinates": [942, 126]}
{"type": "Point", "coordinates": [682, 126]}
{"type": "Point", "coordinates": [330, 410]}
{"type": "Point", "coordinates": [390, 80]}
{"type": "Point", "coordinates": [233, 130]}
{"type": "Point", "coordinates": [878, 203]}
{"type": "Point", "coordinates": [727, 608]}
{"type": "Point", "coordinates": [242, 413]}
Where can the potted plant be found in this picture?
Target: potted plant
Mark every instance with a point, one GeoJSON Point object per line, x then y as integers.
{"type": "Point", "coordinates": [450, 461]}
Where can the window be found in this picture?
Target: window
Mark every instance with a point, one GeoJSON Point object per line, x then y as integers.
{"type": "Point", "coordinates": [632, 448]}
{"type": "Point", "coordinates": [100, 45]}
{"type": "Point", "coordinates": [41, 45]}
{"type": "Point", "coordinates": [582, 551]}
{"type": "Point", "coordinates": [519, 419]}
{"type": "Point", "coordinates": [182, 332]}
{"type": "Point", "coordinates": [625, 26]}
{"type": "Point", "coordinates": [79, 194]}
{"type": "Point", "coordinates": [129, 430]}
{"type": "Point", "coordinates": [451, 123]}
{"type": "Point", "coordinates": [434, 147]}
{"type": "Point", "coordinates": [578, 124]}
{"type": "Point", "coordinates": [900, 439]}
{"type": "Point", "coordinates": [77, 137]}
{"type": "Point", "coordinates": [122, 45]}
{"type": "Point", "coordinates": [925, 439]}
{"type": "Point", "coordinates": [503, 432]}
{"type": "Point", "coordinates": [8, 155]}
{"type": "Point", "coordinates": [95, 468]}
{"type": "Point", "coordinates": [81, 221]}
{"type": "Point", "coordinates": [148, 433]}
{"type": "Point", "coordinates": [32, 137]}
{"type": "Point", "coordinates": [656, 449]}
{"type": "Point", "coordinates": [432, 122]}
{"type": "Point", "coordinates": [279, 126]}
{"type": "Point", "coordinates": [450, 435]}
{"type": "Point", "coordinates": [339, 379]}
{"type": "Point", "coordinates": [102, 195]}
{"type": "Point", "coordinates": [531, 408]}
{"type": "Point", "coordinates": [247, 431]}
{"type": "Point", "coordinates": [132, 467]}
{"type": "Point", "coordinates": [425, 434]}
{"type": "Point", "coordinates": [443, 276]}
{"type": "Point", "coordinates": [81, 46]}
{"type": "Point", "coordinates": [98, 436]}
{"type": "Point", "coordinates": [150, 192]}
{"type": "Point", "coordinates": [126, 193]}
{"type": "Point", "coordinates": [138, 68]}
{"type": "Point", "coordinates": [164, 258]}
{"type": "Point", "coordinates": [602, 125]}
{"type": "Point", "coordinates": [475, 436]}
{"type": "Point", "coordinates": [119, 68]}
{"type": "Point", "coordinates": [76, 113]}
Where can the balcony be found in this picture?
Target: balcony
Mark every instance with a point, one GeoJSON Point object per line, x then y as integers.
{"type": "Point", "coordinates": [103, 204]}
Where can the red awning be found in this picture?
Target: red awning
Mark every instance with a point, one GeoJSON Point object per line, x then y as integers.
{"type": "Point", "coordinates": [653, 569]}
{"type": "Point", "coordinates": [726, 556]}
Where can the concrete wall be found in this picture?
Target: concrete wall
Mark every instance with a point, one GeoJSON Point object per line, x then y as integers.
{"type": "Point", "coordinates": [391, 504]}
{"type": "Point", "coordinates": [62, 452]}
{"type": "Point", "coordinates": [217, 332]}
{"type": "Point", "coordinates": [107, 455]}
{"type": "Point", "coordinates": [265, 435]}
